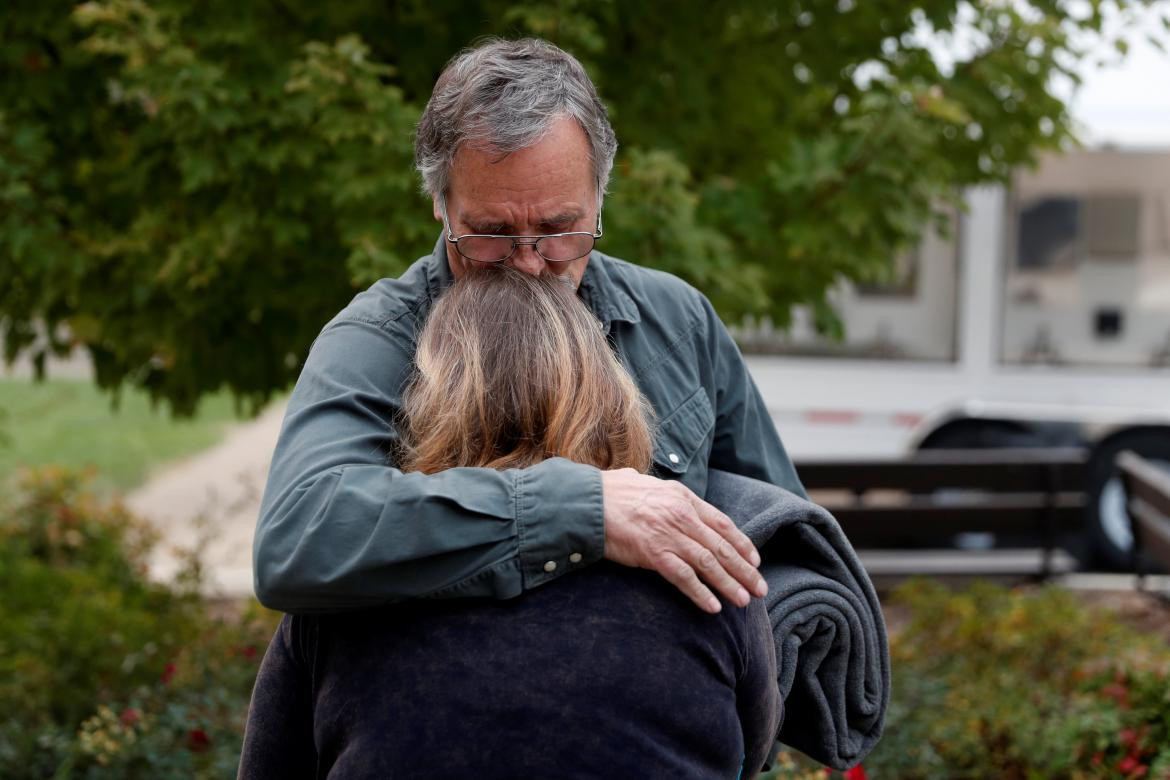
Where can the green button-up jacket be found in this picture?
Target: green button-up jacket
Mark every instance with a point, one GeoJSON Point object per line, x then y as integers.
{"type": "Point", "coordinates": [341, 528]}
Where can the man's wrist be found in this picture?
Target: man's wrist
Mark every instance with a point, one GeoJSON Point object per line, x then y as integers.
{"type": "Point", "coordinates": [559, 519]}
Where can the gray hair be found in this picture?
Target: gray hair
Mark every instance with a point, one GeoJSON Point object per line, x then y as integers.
{"type": "Point", "coordinates": [504, 96]}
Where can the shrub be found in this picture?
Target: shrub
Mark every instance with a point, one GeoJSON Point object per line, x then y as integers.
{"type": "Point", "coordinates": [992, 682]}
{"type": "Point", "coordinates": [103, 673]}
{"type": "Point", "coordinates": [1020, 683]}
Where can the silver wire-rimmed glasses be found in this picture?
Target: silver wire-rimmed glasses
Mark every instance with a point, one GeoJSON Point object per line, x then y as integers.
{"type": "Point", "coordinates": [553, 247]}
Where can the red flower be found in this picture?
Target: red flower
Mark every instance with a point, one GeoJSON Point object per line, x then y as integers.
{"type": "Point", "coordinates": [1130, 766]}
{"type": "Point", "coordinates": [856, 773]}
{"type": "Point", "coordinates": [129, 716]}
{"type": "Point", "coordinates": [168, 674]}
{"type": "Point", "coordinates": [248, 651]}
{"type": "Point", "coordinates": [198, 740]}
{"type": "Point", "coordinates": [1118, 692]}
{"type": "Point", "coordinates": [65, 515]}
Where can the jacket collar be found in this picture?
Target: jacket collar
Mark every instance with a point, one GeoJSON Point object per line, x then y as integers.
{"type": "Point", "coordinates": [604, 297]}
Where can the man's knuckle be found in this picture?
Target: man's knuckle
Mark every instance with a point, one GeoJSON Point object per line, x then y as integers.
{"type": "Point", "coordinates": [707, 560]}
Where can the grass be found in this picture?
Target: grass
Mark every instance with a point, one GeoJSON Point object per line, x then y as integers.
{"type": "Point", "coordinates": [71, 423]}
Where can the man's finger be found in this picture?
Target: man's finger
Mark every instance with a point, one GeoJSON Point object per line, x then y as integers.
{"type": "Point", "coordinates": [730, 573]}
{"type": "Point", "coordinates": [712, 571]}
{"type": "Point", "coordinates": [680, 574]}
{"type": "Point", "coordinates": [731, 559]}
{"type": "Point", "coordinates": [724, 526]}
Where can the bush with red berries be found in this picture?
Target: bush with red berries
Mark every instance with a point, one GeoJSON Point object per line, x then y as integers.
{"type": "Point", "coordinates": [104, 674]}
{"type": "Point", "coordinates": [1015, 684]}
{"type": "Point", "coordinates": [1023, 683]}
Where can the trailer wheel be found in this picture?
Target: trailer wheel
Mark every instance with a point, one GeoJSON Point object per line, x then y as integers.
{"type": "Point", "coordinates": [976, 434]}
{"type": "Point", "coordinates": [972, 434]}
{"type": "Point", "coordinates": [1106, 520]}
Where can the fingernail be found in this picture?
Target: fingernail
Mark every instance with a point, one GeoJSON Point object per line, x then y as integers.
{"type": "Point", "coordinates": [762, 588]}
{"type": "Point", "coordinates": [714, 605]}
{"type": "Point", "coordinates": [742, 597]}
{"type": "Point", "coordinates": [755, 559]}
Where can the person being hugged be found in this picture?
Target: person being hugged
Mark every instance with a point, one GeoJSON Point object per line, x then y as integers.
{"type": "Point", "coordinates": [607, 671]}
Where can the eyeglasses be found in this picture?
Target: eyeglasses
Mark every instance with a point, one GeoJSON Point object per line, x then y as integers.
{"type": "Point", "coordinates": [553, 247]}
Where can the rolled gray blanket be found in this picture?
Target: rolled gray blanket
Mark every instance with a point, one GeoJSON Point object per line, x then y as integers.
{"type": "Point", "coordinates": [832, 656]}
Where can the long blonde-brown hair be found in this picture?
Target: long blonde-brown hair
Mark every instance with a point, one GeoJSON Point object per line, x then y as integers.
{"type": "Point", "coordinates": [512, 369]}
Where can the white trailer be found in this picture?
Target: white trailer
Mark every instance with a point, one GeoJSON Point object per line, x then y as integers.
{"type": "Point", "coordinates": [1044, 320]}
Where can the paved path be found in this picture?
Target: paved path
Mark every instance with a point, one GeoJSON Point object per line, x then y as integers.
{"type": "Point", "coordinates": [211, 501]}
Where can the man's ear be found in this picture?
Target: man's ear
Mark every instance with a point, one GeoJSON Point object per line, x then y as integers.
{"type": "Point", "coordinates": [435, 209]}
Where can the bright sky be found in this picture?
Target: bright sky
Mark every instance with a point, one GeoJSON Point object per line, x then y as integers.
{"type": "Point", "coordinates": [1127, 103]}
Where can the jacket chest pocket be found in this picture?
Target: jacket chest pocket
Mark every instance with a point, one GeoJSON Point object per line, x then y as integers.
{"type": "Point", "coordinates": [683, 442]}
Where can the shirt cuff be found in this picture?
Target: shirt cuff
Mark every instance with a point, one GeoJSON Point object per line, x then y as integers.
{"type": "Point", "coordinates": [559, 518]}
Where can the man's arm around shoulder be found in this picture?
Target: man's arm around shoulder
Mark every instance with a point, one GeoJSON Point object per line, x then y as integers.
{"type": "Point", "coordinates": [341, 529]}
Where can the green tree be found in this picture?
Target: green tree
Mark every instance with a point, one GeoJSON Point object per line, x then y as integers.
{"type": "Point", "coordinates": [190, 190]}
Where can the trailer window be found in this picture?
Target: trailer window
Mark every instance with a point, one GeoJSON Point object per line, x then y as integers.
{"type": "Point", "coordinates": [901, 279]}
{"type": "Point", "coordinates": [1112, 226]}
{"type": "Point", "coordinates": [906, 313]}
{"type": "Point", "coordinates": [1049, 233]}
{"type": "Point", "coordinates": [1085, 286]}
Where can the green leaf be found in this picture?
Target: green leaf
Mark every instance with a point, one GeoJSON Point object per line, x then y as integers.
{"type": "Point", "coordinates": [199, 198]}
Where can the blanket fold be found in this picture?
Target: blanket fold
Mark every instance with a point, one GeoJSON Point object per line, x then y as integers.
{"type": "Point", "coordinates": [832, 655]}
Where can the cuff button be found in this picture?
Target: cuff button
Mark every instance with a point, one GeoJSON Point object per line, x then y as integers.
{"type": "Point", "coordinates": [575, 558]}
{"type": "Point", "coordinates": [550, 566]}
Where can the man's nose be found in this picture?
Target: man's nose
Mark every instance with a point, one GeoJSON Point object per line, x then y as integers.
{"type": "Point", "coordinates": [526, 259]}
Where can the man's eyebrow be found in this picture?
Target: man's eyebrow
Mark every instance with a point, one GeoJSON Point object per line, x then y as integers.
{"type": "Point", "coordinates": [477, 221]}
{"type": "Point", "coordinates": [564, 218]}
{"type": "Point", "coordinates": [481, 222]}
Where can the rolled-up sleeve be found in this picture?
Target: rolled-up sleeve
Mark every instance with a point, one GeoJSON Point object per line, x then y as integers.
{"type": "Point", "coordinates": [340, 528]}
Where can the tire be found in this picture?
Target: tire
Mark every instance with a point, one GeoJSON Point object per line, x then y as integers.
{"type": "Point", "coordinates": [970, 434]}
{"type": "Point", "coordinates": [975, 434]}
{"type": "Point", "coordinates": [1106, 522]}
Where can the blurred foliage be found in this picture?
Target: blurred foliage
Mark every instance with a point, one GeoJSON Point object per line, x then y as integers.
{"type": "Point", "coordinates": [190, 190]}
{"type": "Point", "coordinates": [992, 682]}
{"type": "Point", "coordinates": [1015, 684]}
{"type": "Point", "coordinates": [104, 674]}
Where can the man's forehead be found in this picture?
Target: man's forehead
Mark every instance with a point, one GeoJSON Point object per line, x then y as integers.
{"type": "Point", "coordinates": [545, 202]}
{"type": "Point", "coordinates": [538, 188]}
{"type": "Point", "coordinates": [556, 167]}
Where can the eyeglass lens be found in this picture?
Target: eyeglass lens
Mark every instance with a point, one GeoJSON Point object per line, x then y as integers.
{"type": "Point", "coordinates": [494, 249]}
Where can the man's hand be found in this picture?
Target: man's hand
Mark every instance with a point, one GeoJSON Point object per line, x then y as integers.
{"type": "Point", "coordinates": [662, 525]}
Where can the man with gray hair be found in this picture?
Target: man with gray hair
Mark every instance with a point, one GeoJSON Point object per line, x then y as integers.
{"type": "Point", "coordinates": [515, 150]}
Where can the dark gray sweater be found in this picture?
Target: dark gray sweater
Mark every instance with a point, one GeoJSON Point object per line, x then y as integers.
{"type": "Point", "coordinates": [606, 672]}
